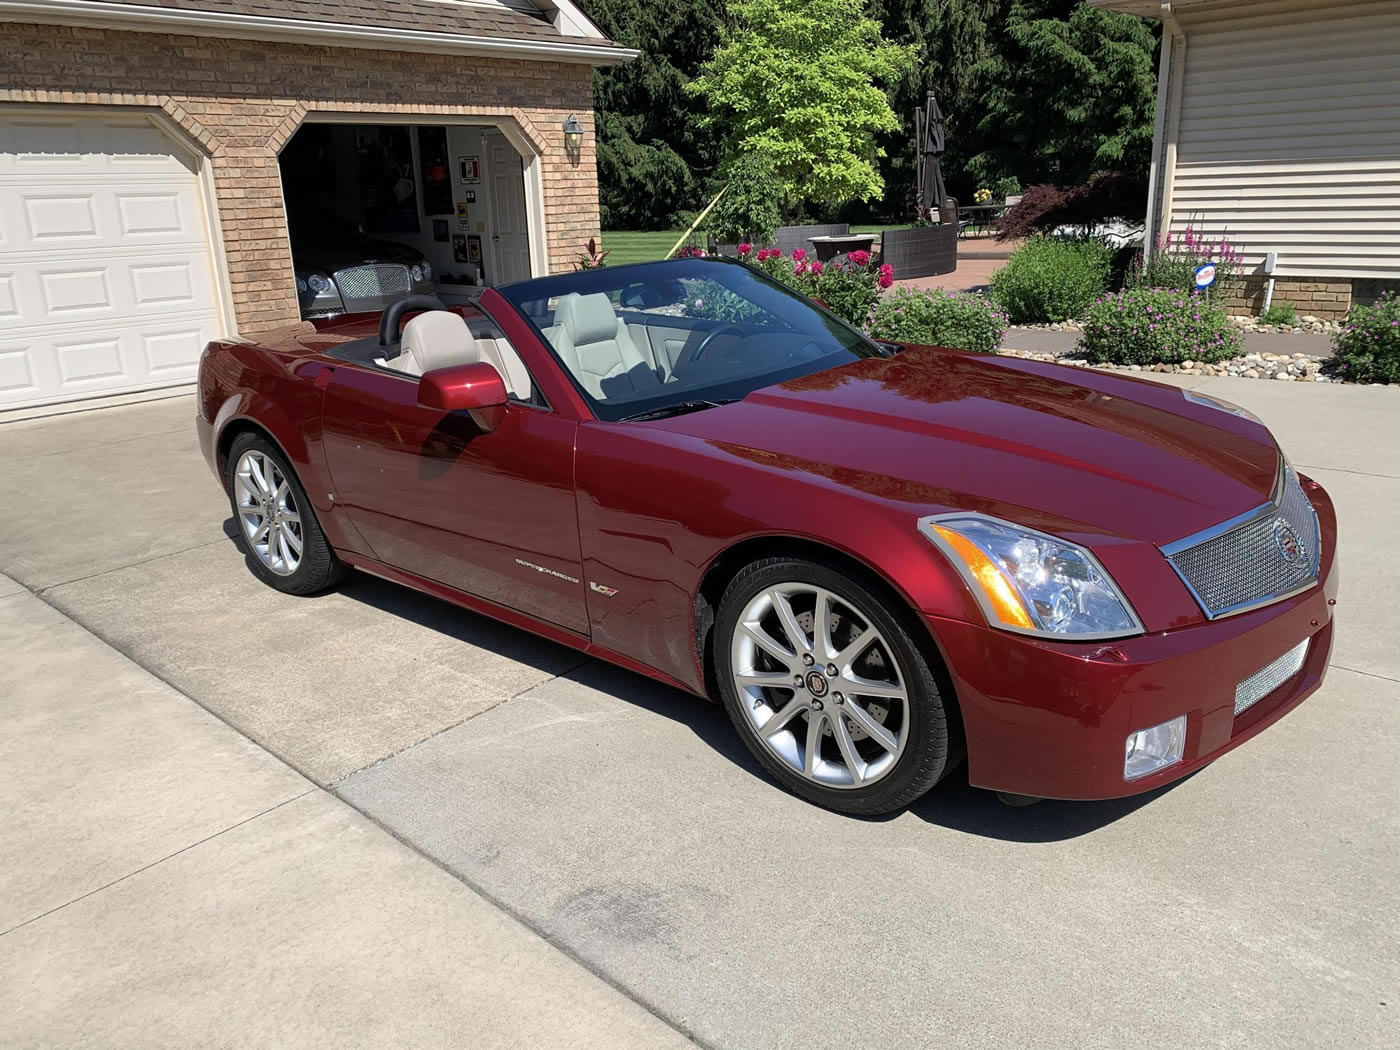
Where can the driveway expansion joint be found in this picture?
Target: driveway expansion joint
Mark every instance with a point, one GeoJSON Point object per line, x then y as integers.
{"type": "Point", "coordinates": [160, 860]}
{"type": "Point", "coordinates": [461, 721]}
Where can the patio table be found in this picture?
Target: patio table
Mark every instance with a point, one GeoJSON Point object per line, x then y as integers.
{"type": "Point", "coordinates": [829, 247]}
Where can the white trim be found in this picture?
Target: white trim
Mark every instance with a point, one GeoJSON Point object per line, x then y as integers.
{"type": "Point", "coordinates": [331, 34]}
{"type": "Point", "coordinates": [1159, 121]}
{"type": "Point", "coordinates": [562, 14]}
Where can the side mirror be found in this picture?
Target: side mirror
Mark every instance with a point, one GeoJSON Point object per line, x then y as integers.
{"type": "Point", "coordinates": [476, 388]}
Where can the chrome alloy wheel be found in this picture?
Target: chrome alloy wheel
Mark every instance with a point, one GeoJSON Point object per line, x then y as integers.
{"type": "Point", "coordinates": [267, 512]}
{"type": "Point", "coordinates": [820, 686]}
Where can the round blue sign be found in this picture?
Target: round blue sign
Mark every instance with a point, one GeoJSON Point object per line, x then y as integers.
{"type": "Point", "coordinates": [1205, 275]}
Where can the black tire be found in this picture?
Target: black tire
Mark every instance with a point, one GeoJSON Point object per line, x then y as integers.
{"type": "Point", "coordinates": [319, 568]}
{"type": "Point", "coordinates": [933, 746]}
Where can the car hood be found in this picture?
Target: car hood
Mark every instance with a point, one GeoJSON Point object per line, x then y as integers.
{"type": "Point", "coordinates": [1075, 452]}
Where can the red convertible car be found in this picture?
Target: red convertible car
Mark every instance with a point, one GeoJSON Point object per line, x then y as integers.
{"type": "Point", "coordinates": [881, 558]}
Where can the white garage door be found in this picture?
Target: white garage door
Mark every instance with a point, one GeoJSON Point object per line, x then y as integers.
{"type": "Point", "coordinates": [106, 278]}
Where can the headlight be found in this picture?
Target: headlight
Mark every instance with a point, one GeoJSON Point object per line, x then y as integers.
{"type": "Point", "coordinates": [427, 271]}
{"type": "Point", "coordinates": [1211, 401]}
{"type": "Point", "coordinates": [1031, 582]}
{"type": "Point", "coordinates": [301, 285]}
{"type": "Point", "coordinates": [318, 284]}
{"type": "Point", "coordinates": [416, 273]}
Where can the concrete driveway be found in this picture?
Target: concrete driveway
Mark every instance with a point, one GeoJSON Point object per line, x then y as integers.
{"type": "Point", "coordinates": [1251, 905]}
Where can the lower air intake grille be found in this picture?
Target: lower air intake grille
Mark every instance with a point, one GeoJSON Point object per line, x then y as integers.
{"type": "Point", "coordinates": [366, 289]}
{"type": "Point", "coordinates": [1264, 681]}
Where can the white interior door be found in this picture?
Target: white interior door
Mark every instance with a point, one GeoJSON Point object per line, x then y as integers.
{"type": "Point", "coordinates": [106, 275]}
{"type": "Point", "coordinates": [510, 232]}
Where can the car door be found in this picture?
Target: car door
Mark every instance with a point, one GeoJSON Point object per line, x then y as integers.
{"type": "Point", "coordinates": [490, 513]}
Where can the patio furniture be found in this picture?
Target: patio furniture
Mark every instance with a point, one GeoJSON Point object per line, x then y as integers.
{"type": "Point", "coordinates": [979, 216]}
{"type": "Point", "coordinates": [789, 238]}
{"type": "Point", "coordinates": [920, 251]}
{"type": "Point", "coordinates": [828, 247]}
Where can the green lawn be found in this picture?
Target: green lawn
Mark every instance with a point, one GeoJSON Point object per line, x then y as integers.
{"type": "Point", "coordinates": [629, 246]}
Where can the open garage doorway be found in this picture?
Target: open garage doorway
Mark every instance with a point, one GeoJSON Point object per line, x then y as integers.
{"type": "Point", "coordinates": [376, 211]}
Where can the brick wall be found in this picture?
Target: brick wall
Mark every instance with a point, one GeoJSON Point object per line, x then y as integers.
{"type": "Point", "coordinates": [1326, 298]}
{"type": "Point", "coordinates": [241, 101]}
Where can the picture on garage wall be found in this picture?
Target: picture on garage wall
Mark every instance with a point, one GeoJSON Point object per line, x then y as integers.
{"type": "Point", "coordinates": [437, 178]}
{"type": "Point", "coordinates": [469, 172]}
{"type": "Point", "coordinates": [387, 185]}
{"type": "Point", "coordinates": [459, 247]}
{"type": "Point", "coordinates": [440, 230]}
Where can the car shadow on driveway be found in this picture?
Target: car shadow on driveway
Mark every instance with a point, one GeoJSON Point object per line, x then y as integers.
{"type": "Point", "coordinates": [953, 804]}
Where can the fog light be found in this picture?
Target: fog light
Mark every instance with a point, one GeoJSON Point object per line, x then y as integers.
{"type": "Point", "coordinates": [1149, 750]}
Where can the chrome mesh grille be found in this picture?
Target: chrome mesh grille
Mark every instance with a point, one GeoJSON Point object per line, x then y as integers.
{"type": "Point", "coordinates": [1265, 680]}
{"type": "Point", "coordinates": [1272, 554]}
{"type": "Point", "coordinates": [365, 289]}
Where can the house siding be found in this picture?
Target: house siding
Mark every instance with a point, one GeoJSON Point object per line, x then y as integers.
{"type": "Point", "coordinates": [1289, 141]}
{"type": "Point", "coordinates": [241, 102]}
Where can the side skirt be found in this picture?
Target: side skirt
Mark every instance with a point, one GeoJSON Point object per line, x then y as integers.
{"type": "Point", "coordinates": [512, 617]}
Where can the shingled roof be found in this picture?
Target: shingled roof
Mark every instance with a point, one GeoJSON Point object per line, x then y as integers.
{"type": "Point", "coordinates": [451, 20]}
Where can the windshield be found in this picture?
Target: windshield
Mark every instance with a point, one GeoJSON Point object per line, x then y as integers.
{"type": "Point", "coordinates": [642, 340]}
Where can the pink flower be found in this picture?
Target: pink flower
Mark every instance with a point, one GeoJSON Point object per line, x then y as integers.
{"type": "Point", "coordinates": [815, 266]}
{"type": "Point", "coordinates": [886, 280]}
{"type": "Point", "coordinates": [860, 257]}
{"type": "Point", "coordinates": [798, 255]}
{"type": "Point", "coordinates": [745, 248]}
{"type": "Point", "coordinates": [801, 267]}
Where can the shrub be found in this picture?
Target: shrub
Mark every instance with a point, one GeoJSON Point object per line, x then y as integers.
{"type": "Point", "coordinates": [1052, 279]}
{"type": "Point", "coordinates": [1176, 259]}
{"type": "Point", "coordinates": [1107, 197]}
{"type": "Point", "coordinates": [1283, 313]}
{"type": "Point", "coordinates": [937, 318]}
{"type": "Point", "coordinates": [1368, 346]}
{"type": "Point", "coordinates": [1142, 326]}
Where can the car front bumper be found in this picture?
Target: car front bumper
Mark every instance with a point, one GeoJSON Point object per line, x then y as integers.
{"type": "Point", "coordinates": [1052, 718]}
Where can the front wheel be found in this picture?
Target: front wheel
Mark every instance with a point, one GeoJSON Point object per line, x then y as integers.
{"type": "Point", "coordinates": [828, 689]}
{"type": "Point", "coordinates": [277, 528]}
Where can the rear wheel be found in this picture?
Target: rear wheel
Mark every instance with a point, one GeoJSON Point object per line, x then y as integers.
{"type": "Point", "coordinates": [827, 688]}
{"type": "Point", "coordinates": [277, 529]}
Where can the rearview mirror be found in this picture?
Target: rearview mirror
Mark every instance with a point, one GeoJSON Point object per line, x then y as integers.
{"type": "Point", "coordinates": [476, 389]}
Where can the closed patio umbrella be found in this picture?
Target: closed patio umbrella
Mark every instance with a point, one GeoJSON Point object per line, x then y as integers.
{"type": "Point", "coordinates": [933, 195]}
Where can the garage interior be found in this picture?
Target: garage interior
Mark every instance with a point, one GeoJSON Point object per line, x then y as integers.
{"type": "Point", "coordinates": [444, 200]}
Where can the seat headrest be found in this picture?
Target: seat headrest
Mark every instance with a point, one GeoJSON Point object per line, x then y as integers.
{"type": "Point", "coordinates": [438, 339]}
{"type": "Point", "coordinates": [586, 318]}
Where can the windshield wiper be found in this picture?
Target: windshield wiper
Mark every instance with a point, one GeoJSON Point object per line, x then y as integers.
{"type": "Point", "coordinates": [680, 408]}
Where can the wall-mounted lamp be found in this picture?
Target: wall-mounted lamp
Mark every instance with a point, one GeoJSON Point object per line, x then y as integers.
{"type": "Point", "coordinates": [573, 134]}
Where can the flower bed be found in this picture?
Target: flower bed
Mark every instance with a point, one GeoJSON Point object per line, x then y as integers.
{"type": "Point", "coordinates": [1368, 345]}
{"type": "Point", "coordinates": [848, 286]}
{"type": "Point", "coordinates": [1144, 326]}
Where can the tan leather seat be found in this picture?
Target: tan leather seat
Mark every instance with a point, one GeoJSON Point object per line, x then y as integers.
{"type": "Point", "coordinates": [441, 339]}
{"type": "Point", "coordinates": [596, 347]}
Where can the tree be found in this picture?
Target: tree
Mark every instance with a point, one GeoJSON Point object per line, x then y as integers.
{"type": "Point", "coordinates": [655, 160]}
{"type": "Point", "coordinates": [951, 38]}
{"type": "Point", "coordinates": [1069, 93]}
{"type": "Point", "coordinates": [798, 81]}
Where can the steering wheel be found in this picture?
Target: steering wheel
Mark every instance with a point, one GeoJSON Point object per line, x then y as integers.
{"type": "Point", "coordinates": [711, 336]}
{"type": "Point", "coordinates": [389, 321]}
